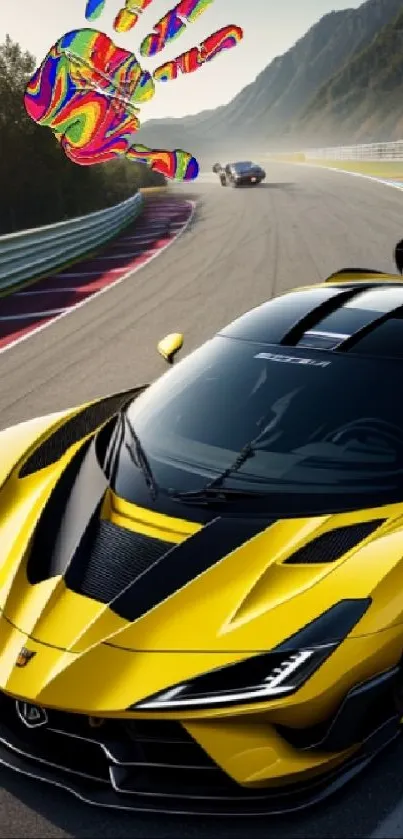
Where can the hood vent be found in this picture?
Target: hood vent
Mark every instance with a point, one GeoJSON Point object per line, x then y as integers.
{"type": "Point", "coordinates": [117, 558]}
{"type": "Point", "coordinates": [73, 430]}
{"type": "Point", "coordinates": [332, 545]}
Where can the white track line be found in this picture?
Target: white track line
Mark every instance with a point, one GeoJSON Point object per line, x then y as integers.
{"type": "Point", "coordinates": [91, 297]}
{"type": "Point", "coordinates": [392, 184]}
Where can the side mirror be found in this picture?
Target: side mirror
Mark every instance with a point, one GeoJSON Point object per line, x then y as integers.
{"type": "Point", "coordinates": [216, 167]}
{"type": "Point", "coordinates": [399, 257]}
{"type": "Point", "coordinates": [170, 345]}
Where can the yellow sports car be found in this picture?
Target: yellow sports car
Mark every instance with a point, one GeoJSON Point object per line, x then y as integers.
{"type": "Point", "coordinates": [201, 580]}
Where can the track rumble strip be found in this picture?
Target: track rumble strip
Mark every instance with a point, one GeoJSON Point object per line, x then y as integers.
{"type": "Point", "coordinates": [32, 309]}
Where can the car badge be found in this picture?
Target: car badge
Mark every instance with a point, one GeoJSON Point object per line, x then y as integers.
{"type": "Point", "coordinates": [96, 722]}
{"type": "Point", "coordinates": [24, 657]}
{"type": "Point", "coordinates": [31, 715]}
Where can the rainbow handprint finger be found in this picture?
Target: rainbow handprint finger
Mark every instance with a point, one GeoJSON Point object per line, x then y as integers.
{"type": "Point", "coordinates": [88, 91]}
{"type": "Point", "coordinates": [94, 9]}
{"type": "Point", "coordinates": [176, 164]}
{"type": "Point", "coordinates": [126, 17]}
{"type": "Point", "coordinates": [194, 58]}
{"type": "Point", "coordinates": [172, 25]}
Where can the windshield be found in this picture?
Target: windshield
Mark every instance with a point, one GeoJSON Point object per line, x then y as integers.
{"type": "Point", "coordinates": [243, 166]}
{"type": "Point", "coordinates": [329, 425]}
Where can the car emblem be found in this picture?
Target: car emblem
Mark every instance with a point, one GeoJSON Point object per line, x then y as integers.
{"type": "Point", "coordinates": [31, 715]}
{"type": "Point", "coordinates": [24, 656]}
{"type": "Point", "coordinates": [96, 722]}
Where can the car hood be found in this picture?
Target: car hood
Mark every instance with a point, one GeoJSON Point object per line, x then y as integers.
{"type": "Point", "coordinates": [82, 568]}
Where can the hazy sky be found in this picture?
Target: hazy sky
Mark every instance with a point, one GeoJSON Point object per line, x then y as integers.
{"type": "Point", "coordinates": [270, 28]}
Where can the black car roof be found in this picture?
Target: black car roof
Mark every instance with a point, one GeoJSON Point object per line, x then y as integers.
{"type": "Point", "coordinates": [365, 318]}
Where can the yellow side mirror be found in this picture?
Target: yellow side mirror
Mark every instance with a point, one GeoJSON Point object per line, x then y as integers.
{"type": "Point", "coordinates": [170, 345]}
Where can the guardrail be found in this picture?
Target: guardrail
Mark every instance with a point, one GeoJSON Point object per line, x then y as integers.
{"type": "Point", "coordinates": [365, 151]}
{"type": "Point", "coordinates": [31, 254]}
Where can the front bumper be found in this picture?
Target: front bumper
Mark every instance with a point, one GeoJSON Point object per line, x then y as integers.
{"type": "Point", "coordinates": [248, 179]}
{"type": "Point", "coordinates": [157, 766]}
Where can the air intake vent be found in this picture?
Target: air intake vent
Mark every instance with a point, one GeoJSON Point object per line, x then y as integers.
{"type": "Point", "coordinates": [88, 420]}
{"type": "Point", "coordinates": [332, 545]}
{"type": "Point", "coordinates": [117, 557]}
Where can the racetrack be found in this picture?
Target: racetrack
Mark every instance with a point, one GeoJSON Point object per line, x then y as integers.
{"type": "Point", "coordinates": [241, 247]}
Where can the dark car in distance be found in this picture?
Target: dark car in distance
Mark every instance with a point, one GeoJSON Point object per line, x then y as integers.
{"type": "Point", "coordinates": [239, 174]}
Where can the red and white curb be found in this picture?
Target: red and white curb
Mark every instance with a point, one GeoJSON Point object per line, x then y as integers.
{"type": "Point", "coordinates": [31, 310]}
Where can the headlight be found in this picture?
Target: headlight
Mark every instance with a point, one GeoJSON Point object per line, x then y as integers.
{"type": "Point", "coordinates": [268, 675]}
{"type": "Point", "coordinates": [257, 679]}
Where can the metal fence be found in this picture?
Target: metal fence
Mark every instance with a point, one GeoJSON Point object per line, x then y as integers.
{"type": "Point", "coordinates": [366, 151]}
{"type": "Point", "coordinates": [31, 254]}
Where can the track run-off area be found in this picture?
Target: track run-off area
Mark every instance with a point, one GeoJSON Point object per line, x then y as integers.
{"type": "Point", "coordinates": [238, 248]}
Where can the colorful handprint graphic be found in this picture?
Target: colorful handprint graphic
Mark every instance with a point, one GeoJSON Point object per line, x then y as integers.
{"type": "Point", "coordinates": [88, 91]}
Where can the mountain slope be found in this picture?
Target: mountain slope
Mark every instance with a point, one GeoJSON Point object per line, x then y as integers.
{"type": "Point", "coordinates": [363, 101]}
{"type": "Point", "coordinates": [263, 110]}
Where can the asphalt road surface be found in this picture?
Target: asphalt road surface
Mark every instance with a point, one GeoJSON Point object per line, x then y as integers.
{"type": "Point", "coordinates": [242, 247]}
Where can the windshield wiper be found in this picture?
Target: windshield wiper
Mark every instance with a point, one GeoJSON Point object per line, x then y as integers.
{"type": "Point", "coordinates": [139, 457]}
{"type": "Point", "coordinates": [214, 487]}
{"type": "Point", "coordinates": [208, 494]}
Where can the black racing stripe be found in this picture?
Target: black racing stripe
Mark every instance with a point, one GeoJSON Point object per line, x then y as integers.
{"type": "Point", "coordinates": [184, 562]}
{"type": "Point", "coordinates": [316, 315]}
{"type": "Point", "coordinates": [369, 328]}
{"type": "Point", "coordinates": [274, 321]}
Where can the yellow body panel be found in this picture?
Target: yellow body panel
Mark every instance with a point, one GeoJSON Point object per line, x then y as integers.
{"type": "Point", "coordinates": [340, 277]}
{"type": "Point", "coordinates": [252, 754]}
{"type": "Point", "coordinates": [362, 276]}
{"type": "Point", "coordinates": [248, 592]}
{"type": "Point", "coordinates": [90, 661]}
{"type": "Point", "coordinates": [147, 522]}
{"type": "Point", "coordinates": [17, 440]}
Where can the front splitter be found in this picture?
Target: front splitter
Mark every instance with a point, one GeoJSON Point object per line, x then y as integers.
{"type": "Point", "coordinates": [109, 792]}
